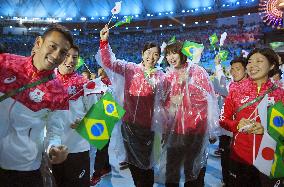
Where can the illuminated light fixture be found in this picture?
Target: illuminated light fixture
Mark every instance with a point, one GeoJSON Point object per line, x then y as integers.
{"type": "Point", "coordinates": [92, 18]}
{"type": "Point", "coordinates": [167, 13]}
{"type": "Point", "coordinates": [248, 13]}
{"type": "Point", "coordinates": [136, 15]}
{"type": "Point", "coordinates": [271, 13]}
{"type": "Point", "coordinates": [210, 8]}
{"type": "Point", "coordinates": [74, 29]}
{"type": "Point", "coordinates": [137, 27]}
{"type": "Point", "coordinates": [68, 19]}
{"type": "Point", "coordinates": [11, 27]}
{"type": "Point", "coordinates": [238, 3]}
{"type": "Point", "coordinates": [196, 9]}
{"type": "Point", "coordinates": [207, 21]}
{"type": "Point", "coordinates": [171, 12]}
{"type": "Point", "coordinates": [183, 11]}
{"type": "Point", "coordinates": [223, 5]}
{"type": "Point", "coordinates": [44, 29]}
{"type": "Point", "coordinates": [188, 11]}
{"type": "Point", "coordinates": [170, 25]}
{"type": "Point", "coordinates": [1, 17]}
{"type": "Point", "coordinates": [233, 16]}
{"type": "Point", "coordinates": [104, 17]}
{"type": "Point", "coordinates": [196, 22]}
{"type": "Point", "coordinates": [148, 14]}
{"type": "Point", "coordinates": [126, 28]}
{"type": "Point", "coordinates": [30, 29]}
{"type": "Point", "coordinates": [83, 18]}
{"type": "Point", "coordinates": [192, 10]}
{"type": "Point", "coordinates": [161, 26]}
{"type": "Point", "coordinates": [183, 25]}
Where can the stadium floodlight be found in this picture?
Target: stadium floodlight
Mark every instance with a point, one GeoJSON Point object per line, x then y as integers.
{"type": "Point", "coordinates": [207, 21]}
{"type": "Point", "coordinates": [183, 25]}
{"type": "Point", "coordinates": [103, 17]}
{"type": "Point", "coordinates": [183, 11]}
{"type": "Point", "coordinates": [196, 22]}
{"type": "Point", "coordinates": [223, 5]}
{"type": "Point", "coordinates": [148, 15]}
{"type": "Point", "coordinates": [192, 10]}
{"type": "Point", "coordinates": [1, 17]}
{"type": "Point", "coordinates": [11, 26]}
{"type": "Point", "coordinates": [161, 26]}
{"type": "Point", "coordinates": [137, 28]}
{"type": "Point", "coordinates": [83, 18]}
{"type": "Point", "coordinates": [171, 12]}
{"type": "Point", "coordinates": [160, 13]}
{"type": "Point", "coordinates": [136, 15]}
{"type": "Point", "coordinates": [126, 28]}
{"type": "Point", "coordinates": [196, 9]}
{"type": "Point", "coordinates": [92, 18]}
{"type": "Point", "coordinates": [209, 8]}
{"type": "Point", "coordinates": [170, 25]}
{"type": "Point", "coordinates": [238, 3]}
{"type": "Point", "coordinates": [187, 10]}
{"type": "Point", "coordinates": [167, 13]}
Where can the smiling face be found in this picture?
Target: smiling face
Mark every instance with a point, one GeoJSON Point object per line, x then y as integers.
{"type": "Point", "coordinates": [69, 64]}
{"type": "Point", "coordinates": [150, 57]}
{"type": "Point", "coordinates": [238, 71]}
{"type": "Point", "coordinates": [258, 67]}
{"type": "Point", "coordinates": [51, 51]}
{"type": "Point", "coordinates": [174, 59]}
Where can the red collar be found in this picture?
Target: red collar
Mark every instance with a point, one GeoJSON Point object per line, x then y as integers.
{"type": "Point", "coordinates": [33, 72]}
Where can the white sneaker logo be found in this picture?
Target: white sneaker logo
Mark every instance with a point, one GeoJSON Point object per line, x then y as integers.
{"type": "Point", "coordinates": [82, 174]}
{"type": "Point", "coordinates": [245, 99]}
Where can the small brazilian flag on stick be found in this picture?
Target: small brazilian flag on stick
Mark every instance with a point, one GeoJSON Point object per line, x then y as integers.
{"type": "Point", "coordinates": [189, 47]}
{"type": "Point", "coordinates": [98, 123]}
{"type": "Point", "coordinates": [223, 54]}
{"type": "Point", "coordinates": [126, 21]}
{"type": "Point", "coordinates": [79, 63]}
{"type": "Point", "coordinates": [213, 39]}
{"type": "Point", "coordinates": [276, 122]}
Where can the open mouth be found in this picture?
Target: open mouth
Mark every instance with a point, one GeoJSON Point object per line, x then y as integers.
{"type": "Point", "coordinates": [253, 72]}
{"type": "Point", "coordinates": [50, 61]}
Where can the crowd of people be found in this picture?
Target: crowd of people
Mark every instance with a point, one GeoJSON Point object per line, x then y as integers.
{"type": "Point", "coordinates": [171, 114]}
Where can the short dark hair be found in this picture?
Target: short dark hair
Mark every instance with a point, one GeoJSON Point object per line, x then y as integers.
{"type": "Point", "coordinates": [271, 56]}
{"type": "Point", "coordinates": [176, 47]}
{"type": "Point", "coordinates": [149, 45]}
{"type": "Point", "coordinates": [58, 28]}
{"type": "Point", "coordinates": [278, 72]}
{"type": "Point", "coordinates": [241, 60]}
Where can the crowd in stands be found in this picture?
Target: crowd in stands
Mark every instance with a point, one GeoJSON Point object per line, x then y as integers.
{"type": "Point", "coordinates": [238, 39]}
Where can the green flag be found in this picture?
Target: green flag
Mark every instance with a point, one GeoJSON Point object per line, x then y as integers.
{"type": "Point", "coordinates": [213, 39]}
{"type": "Point", "coordinates": [223, 54]}
{"type": "Point", "coordinates": [172, 40]}
{"type": "Point", "coordinates": [79, 63]}
{"type": "Point", "coordinates": [98, 123]}
{"type": "Point", "coordinates": [276, 122]}
{"type": "Point", "coordinates": [189, 47]}
{"type": "Point", "coordinates": [127, 20]}
{"type": "Point", "coordinates": [277, 169]}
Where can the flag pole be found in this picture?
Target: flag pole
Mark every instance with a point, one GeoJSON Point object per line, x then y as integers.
{"type": "Point", "coordinates": [87, 67]}
{"type": "Point", "coordinates": [110, 19]}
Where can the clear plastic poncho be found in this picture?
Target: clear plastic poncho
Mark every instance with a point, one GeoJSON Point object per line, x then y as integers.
{"type": "Point", "coordinates": [135, 89]}
{"type": "Point", "coordinates": [191, 117]}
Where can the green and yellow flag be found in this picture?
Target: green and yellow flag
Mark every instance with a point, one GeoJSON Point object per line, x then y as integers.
{"type": "Point", "coordinates": [189, 47]}
{"type": "Point", "coordinates": [277, 169]}
{"type": "Point", "coordinates": [276, 122]}
{"type": "Point", "coordinates": [127, 20]}
{"type": "Point", "coordinates": [223, 54]}
{"type": "Point", "coordinates": [79, 63]}
{"type": "Point", "coordinates": [172, 40]}
{"type": "Point", "coordinates": [213, 39]}
{"type": "Point", "coordinates": [98, 123]}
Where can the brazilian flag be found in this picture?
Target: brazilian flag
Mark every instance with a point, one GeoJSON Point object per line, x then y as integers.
{"type": "Point", "coordinates": [189, 47]}
{"type": "Point", "coordinates": [276, 122]}
{"type": "Point", "coordinates": [213, 39]}
{"type": "Point", "coordinates": [277, 169]}
{"type": "Point", "coordinates": [98, 123]}
{"type": "Point", "coordinates": [127, 20]}
{"type": "Point", "coordinates": [79, 63]}
{"type": "Point", "coordinates": [223, 54]}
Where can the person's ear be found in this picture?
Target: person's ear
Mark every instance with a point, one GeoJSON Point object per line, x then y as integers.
{"type": "Point", "coordinates": [38, 42]}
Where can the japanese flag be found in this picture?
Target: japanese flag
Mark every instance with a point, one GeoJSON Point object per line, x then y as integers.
{"type": "Point", "coordinates": [265, 156]}
{"type": "Point", "coordinates": [95, 86]}
{"type": "Point", "coordinates": [116, 9]}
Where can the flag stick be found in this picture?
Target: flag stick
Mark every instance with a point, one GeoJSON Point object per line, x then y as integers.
{"type": "Point", "coordinates": [87, 67]}
{"type": "Point", "coordinates": [110, 19]}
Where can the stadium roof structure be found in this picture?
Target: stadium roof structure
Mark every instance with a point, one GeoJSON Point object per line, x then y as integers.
{"type": "Point", "coordinates": [95, 10]}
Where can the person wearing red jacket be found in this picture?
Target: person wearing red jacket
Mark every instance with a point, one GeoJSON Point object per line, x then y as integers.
{"type": "Point", "coordinates": [138, 90]}
{"type": "Point", "coordinates": [189, 99]}
{"type": "Point", "coordinates": [262, 63]}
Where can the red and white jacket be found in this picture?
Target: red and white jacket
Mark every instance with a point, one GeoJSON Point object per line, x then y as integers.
{"type": "Point", "coordinates": [239, 94]}
{"type": "Point", "coordinates": [24, 116]}
{"type": "Point", "coordinates": [187, 101]}
{"type": "Point", "coordinates": [139, 93]}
